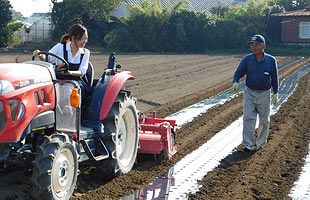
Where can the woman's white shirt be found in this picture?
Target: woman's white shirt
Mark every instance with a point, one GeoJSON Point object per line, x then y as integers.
{"type": "Point", "coordinates": [58, 50]}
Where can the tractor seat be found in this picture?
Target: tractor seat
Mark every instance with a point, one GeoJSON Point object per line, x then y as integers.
{"type": "Point", "coordinates": [89, 76]}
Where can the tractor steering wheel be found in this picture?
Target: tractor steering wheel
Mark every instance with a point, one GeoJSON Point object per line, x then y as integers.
{"type": "Point", "coordinates": [62, 67]}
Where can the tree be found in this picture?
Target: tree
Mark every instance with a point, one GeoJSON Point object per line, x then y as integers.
{"type": "Point", "coordinates": [5, 14]}
{"type": "Point", "coordinates": [293, 4]}
{"type": "Point", "coordinates": [154, 8]}
{"type": "Point", "coordinates": [147, 28]}
{"type": "Point", "coordinates": [235, 25]}
{"type": "Point", "coordinates": [17, 15]}
{"type": "Point", "coordinates": [190, 32]}
{"type": "Point", "coordinates": [94, 14]}
{"type": "Point", "coordinates": [5, 18]}
{"type": "Point", "coordinates": [7, 25]}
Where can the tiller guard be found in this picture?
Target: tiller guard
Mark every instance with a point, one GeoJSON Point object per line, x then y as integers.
{"type": "Point", "coordinates": [157, 136]}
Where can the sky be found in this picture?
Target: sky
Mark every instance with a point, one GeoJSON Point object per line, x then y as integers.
{"type": "Point", "coordinates": [27, 7]}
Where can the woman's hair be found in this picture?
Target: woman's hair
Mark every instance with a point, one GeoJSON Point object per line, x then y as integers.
{"type": "Point", "coordinates": [64, 39]}
{"type": "Point", "coordinates": [77, 31]}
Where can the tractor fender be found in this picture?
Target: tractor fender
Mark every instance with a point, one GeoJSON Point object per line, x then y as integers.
{"type": "Point", "coordinates": [115, 85]}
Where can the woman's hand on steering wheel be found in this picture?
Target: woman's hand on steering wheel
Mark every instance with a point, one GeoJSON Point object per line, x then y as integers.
{"type": "Point", "coordinates": [58, 69]}
{"type": "Point", "coordinates": [61, 68]}
{"type": "Point", "coordinates": [67, 72]}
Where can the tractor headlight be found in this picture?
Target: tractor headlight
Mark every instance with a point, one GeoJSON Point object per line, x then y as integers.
{"type": "Point", "coordinates": [16, 106]}
{"type": "Point", "coordinates": [6, 87]}
{"type": "Point", "coordinates": [2, 117]}
{"type": "Point", "coordinates": [13, 107]}
{"type": "Point", "coordinates": [21, 112]}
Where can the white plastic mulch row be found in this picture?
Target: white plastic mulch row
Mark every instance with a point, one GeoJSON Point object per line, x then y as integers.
{"type": "Point", "coordinates": [301, 188]}
{"type": "Point", "coordinates": [193, 167]}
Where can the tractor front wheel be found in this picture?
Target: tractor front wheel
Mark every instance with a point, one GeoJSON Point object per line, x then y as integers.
{"type": "Point", "coordinates": [55, 168]}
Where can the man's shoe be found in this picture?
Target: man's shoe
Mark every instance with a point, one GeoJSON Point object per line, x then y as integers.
{"type": "Point", "coordinates": [249, 149]}
{"type": "Point", "coordinates": [259, 148]}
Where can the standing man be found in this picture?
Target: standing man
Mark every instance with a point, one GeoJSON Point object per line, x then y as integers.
{"type": "Point", "coordinates": [261, 73]}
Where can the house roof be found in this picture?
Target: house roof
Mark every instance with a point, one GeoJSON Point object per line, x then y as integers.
{"type": "Point", "coordinates": [35, 17]}
{"type": "Point", "coordinates": [294, 13]}
{"type": "Point", "coordinates": [192, 5]}
{"type": "Point", "coordinates": [40, 15]}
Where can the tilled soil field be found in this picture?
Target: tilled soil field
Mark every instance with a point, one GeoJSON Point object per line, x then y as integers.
{"type": "Point", "coordinates": [167, 83]}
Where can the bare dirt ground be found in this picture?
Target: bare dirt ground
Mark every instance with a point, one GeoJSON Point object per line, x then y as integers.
{"type": "Point", "coordinates": [167, 83]}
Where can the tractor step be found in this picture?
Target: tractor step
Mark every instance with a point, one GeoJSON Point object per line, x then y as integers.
{"type": "Point", "coordinates": [86, 132]}
{"type": "Point", "coordinates": [95, 149]}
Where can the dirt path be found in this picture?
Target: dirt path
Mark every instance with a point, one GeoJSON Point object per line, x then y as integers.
{"type": "Point", "coordinates": [189, 79]}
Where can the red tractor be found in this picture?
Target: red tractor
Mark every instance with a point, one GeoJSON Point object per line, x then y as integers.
{"type": "Point", "coordinates": [44, 122]}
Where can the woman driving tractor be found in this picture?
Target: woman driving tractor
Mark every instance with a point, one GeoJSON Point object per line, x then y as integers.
{"type": "Point", "coordinates": [71, 48]}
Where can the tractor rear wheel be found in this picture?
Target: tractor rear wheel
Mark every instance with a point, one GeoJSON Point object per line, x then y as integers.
{"type": "Point", "coordinates": [122, 127]}
{"type": "Point", "coordinates": [55, 168]}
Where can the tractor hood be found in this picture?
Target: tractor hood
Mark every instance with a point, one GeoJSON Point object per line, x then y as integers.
{"type": "Point", "coordinates": [14, 76]}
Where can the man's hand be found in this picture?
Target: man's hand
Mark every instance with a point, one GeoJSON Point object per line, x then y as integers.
{"type": "Point", "coordinates": [235, 87]}
{"type": "Point", "coordinates": [275, 99]}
